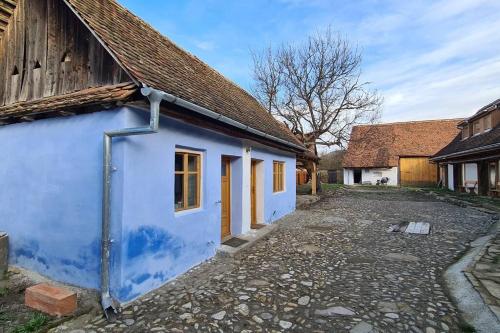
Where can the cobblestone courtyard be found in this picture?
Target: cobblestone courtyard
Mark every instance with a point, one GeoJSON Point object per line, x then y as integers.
{"type": "Point", "coordinates": [330, 268]}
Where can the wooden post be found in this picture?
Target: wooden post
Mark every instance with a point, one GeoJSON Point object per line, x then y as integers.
{"type": "Point", "coordinates": [314, 180]}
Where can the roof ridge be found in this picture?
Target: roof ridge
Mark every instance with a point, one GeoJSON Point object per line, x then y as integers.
{"type": "Point", "coordinates": [153, 59]}
{"type": "Point", "coordinates": [487, 106]}
{"type": "Point", "coordinates": [128, 12]}
{"type": "Point", "coordinates": [412, 122]}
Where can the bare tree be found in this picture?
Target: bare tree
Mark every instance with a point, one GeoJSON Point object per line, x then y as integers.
{"type": "Point", "coordinates": [315, 89]}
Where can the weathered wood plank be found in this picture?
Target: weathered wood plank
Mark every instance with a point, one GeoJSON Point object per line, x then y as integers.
{"type": "Point", "coordinates": [417, 171]}
{"type": "Point", "coordinates": [53, 53]}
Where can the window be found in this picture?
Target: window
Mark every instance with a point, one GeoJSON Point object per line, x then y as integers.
{"type": "Point", "coordinates": [187, 180]}
{"type": "Point", "coordinates": [487, 122]}
{"type": "Point", "coordinates": [477, 127]}
{"type": "Point", "coordinates": [465, 132]}
{"type": "Point", "coordinates": [278, 176]}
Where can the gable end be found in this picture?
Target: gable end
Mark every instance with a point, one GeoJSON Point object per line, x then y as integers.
{"type": "Point", "coordinates": [46, 51]}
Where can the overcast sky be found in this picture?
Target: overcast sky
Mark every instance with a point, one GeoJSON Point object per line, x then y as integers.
{"type": "Point", "coordinates": [429, 59]}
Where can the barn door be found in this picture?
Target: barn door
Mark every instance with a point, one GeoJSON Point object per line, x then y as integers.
{"type": "Point", "coordinates": [417, 171]}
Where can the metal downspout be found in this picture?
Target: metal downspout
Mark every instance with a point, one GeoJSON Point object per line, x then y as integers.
{"type": "Point", "coordinates": [155, 97]}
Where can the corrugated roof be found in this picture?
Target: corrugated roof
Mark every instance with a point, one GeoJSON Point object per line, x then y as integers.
{"type": "Point", "coordinates": [381, 145]}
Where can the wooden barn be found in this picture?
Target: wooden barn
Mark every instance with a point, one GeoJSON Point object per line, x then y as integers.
{"type": "Point", "coordinates": [397, 152]}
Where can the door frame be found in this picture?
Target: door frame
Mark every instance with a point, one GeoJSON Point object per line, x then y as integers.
{"type": "Point", "coordinates": [253, 193]}
{"type": "Point", "coordinates": [257, 195]}
{"type": "Point", "coordinates": [227, 164]}
{"type": "Point", "coordinates": [360, 171]}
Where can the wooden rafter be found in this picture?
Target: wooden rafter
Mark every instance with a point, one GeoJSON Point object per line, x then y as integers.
{"type": "Point", "coordinates": [7, 8]}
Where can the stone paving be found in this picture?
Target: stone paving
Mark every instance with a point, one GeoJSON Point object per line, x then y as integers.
{"type": "Point", "coordinates": [486, 275]}
{"type": "Point", "coordinates": [331, 268]}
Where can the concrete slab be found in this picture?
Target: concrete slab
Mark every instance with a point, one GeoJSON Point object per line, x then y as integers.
{"type": "Point", "coordinates": [251, 237]}
{"type": "Point", "coordinates": [420, 228]}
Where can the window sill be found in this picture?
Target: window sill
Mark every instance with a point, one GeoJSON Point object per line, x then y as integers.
{"type": "Point", "coordinates": [279, 192]}
{"type": "Point", "coordinates": [188, 211]}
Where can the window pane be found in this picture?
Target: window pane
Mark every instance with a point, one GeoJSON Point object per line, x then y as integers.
{"type": "Point", "coordinates": [280, 167]}
{"type": "Point", "coordinates": [193, 163]}
{"type": "Point", "coordinates": [487, 122]}
{"type": "Point", "coordinates": [192, 190]}
{"type": "Point", "coordinates": [179, 162]}
{"type": "Point", "coordinates": [465, 132]}
{"type": "Point", "coordinates": [178, 196]}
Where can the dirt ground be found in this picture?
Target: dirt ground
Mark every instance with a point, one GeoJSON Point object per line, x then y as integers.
{"type": "Point", "coordinates": [15, 317]}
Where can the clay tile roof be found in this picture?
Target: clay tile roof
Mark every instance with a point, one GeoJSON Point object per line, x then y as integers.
{"type": "Point", "coordinates": [154, 60]}
{"type": "Point", "coordinates": [381, 145]}
{"type": "Point", "coordinates": [92, 96]}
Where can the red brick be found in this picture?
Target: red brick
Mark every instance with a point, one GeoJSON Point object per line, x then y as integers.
{"type": "Point", "coordinates": [50, 299]}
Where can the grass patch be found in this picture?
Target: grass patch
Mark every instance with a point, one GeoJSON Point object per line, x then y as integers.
{"type": "Point", "coordinates": [331, 187]}
{"type": "Point", "coordinates": [36, 322]}
{"type": "Point", "coordinates": [3, 291]}
{"type": "Point", "coordinates": [4, 317]}
{"type": "Point", "coordinates": [376, 187]}
{"type": "Point", "coordinates": [304, 189]}
{"type": "Point", "coordinates": [471, 198]}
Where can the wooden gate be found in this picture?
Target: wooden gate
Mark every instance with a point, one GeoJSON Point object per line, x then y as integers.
{"type": "Point", "coordinates": [417, 171]}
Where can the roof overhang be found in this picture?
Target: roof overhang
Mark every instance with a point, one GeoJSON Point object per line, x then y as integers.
{"type": "Point", "coordinates": [228, 121]}
{"type": "Point", "coordinates": [484, 111]}
{"type": "Point", "coordinates": [63, 104]}
{"type": "Point", "coordinates": [463, 153]}
{"type": "Point", "coordinates": [184, 103]}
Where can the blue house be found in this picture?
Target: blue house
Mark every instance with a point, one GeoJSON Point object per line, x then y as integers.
{"type": "Point", "coordinates": [126, 160]}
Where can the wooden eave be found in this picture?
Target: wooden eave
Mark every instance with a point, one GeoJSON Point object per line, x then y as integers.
{"type": "Point", "coordinates": [7, 8]}
{"type": "Point", "coordinates": [94, 99]}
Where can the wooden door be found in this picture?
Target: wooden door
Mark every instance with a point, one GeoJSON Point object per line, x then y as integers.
{"type": "Point", "coordinates": [226, 197]}
{"type": "Point", "coordinates": [417, 171]}
{"type": "Point", "coordinates": [253, 192]}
